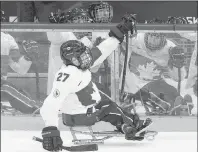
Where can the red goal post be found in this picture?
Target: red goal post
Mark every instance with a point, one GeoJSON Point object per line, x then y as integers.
{"type": "Point", "coordinates": [115, 80]}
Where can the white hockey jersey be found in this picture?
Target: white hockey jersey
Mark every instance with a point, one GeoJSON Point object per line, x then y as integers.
{"type": "Point", "coordinates": [73, 91]}
{"type": "Point", "coordinates": [8, 44]}
{"type": "Point", "coordinates": [144, 66]}
{"type": "Point", "coordinates": [10, 56]}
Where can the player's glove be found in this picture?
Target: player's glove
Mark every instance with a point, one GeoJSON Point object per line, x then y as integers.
{"type": "Point", "coordinates": [51, 139]}
{"type": "Point", "coordinates": [177, 57]}
{"type": "Point", "coordinates": [90, 111]}
{"type": "Point", "coordinates": [31, 50]}
{"type": "Point", "coordinates": [57, 17]}
{"type": "Point", "coordinates": [127, 24]}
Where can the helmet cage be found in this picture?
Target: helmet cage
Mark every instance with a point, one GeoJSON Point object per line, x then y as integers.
{"type": "Point", "coordinates": [155, 47]}
{"type": "Point", "coordinates": [101, 13]}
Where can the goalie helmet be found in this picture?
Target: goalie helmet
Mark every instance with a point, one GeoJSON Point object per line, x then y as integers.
{"type": "Point", "coordinates": [78, 15]}
{"type": "Point", "coordinates": [101, 12]}
{"type": "Point", "coordinates": [155, 41]}
{"type": "Point", "coordinates": [74, 52]}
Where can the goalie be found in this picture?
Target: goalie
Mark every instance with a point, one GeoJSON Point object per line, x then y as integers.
{"type": "Point", "coordinates": [74, 93]}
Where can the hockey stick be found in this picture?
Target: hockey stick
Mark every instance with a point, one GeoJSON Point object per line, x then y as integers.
{"type": "Point", "coordinates": [179, 80]}
{"type": "Point", "coordinates": [37, 82]}
{"type": "Point", "coordinates": [91, 147]}
{"type": "Point", "coordinates": [133, 31]}
{"type": "Point", "coordinates": [125, 64]}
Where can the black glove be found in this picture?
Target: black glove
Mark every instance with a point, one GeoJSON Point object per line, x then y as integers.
{"type": "Point", "coordinates": [57, 17]}
{"type": "Point", "coordinates": [31, 50]}
{"type": "Point", "coordinates": [127, 24]}
{"type": "Point", "coordinates": [51, 139]}
{"type": "Point", "coordinates": [90, 111]}
{"type": "Point", "coordinates": [177, 57]}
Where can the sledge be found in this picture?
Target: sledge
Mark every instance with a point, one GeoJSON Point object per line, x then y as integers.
{"type": "Point", "coordinates": [82, 121]}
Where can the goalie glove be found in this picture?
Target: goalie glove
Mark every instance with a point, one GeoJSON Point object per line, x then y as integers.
{"type": "Point", "coordinates": [57, 17]}
{"type": "Point", "coordinates": [31, 50]}
{"type": "Point", "coordinates": [177, 57]}
{"type": "Point", "coordinates": [127, 24]}
{"type": "Point", "coordinates": [51, 139]}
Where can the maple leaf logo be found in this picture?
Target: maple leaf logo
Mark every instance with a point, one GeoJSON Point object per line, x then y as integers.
{"type": "Point", "coordinates": [148, 71]}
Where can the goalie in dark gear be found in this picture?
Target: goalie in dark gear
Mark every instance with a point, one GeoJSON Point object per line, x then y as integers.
{"type": "Point", "coordinates": [101, 12]}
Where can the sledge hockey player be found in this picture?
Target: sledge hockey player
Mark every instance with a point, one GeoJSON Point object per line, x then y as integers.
{"type": "Point", "coordinates": [74, 92]}
{"type": "Point", "coordinates": [20, 63]}
{"type": "Point", "coordinates": [153, 62]}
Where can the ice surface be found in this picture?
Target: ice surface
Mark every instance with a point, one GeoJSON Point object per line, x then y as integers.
{"type": "Point", "coordinates": [21, 141]}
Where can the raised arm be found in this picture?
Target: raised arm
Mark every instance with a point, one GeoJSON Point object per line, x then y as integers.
{"type": "Point", "coordinates": [116, 36]}
{"type": "Point", "coordinates": [19, 62]}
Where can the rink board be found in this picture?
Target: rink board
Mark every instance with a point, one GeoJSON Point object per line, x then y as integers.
{"type": "Point", "coordinates": [161, 124]}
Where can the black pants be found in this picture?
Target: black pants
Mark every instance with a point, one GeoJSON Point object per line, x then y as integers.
{"type": "Point", "coordinates": [107, 111]}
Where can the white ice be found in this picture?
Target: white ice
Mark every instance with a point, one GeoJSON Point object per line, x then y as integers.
{"type": "Point", "coordinates": [21, 141]}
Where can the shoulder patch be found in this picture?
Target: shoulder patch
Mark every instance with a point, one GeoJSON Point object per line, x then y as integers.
{"type": "Point", "coordinates": [56, 93]}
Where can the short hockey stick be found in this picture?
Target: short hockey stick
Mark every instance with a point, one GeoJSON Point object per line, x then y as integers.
{"type": "Point", "coordinates": [90, 147]}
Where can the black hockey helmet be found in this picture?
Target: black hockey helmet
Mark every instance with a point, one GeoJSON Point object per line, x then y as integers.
{"type": "Point", "coordinates": [74, 52]}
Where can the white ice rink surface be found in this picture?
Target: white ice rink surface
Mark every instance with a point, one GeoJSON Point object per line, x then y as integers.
{"type": "Point", "coordinates": [21, 141]}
